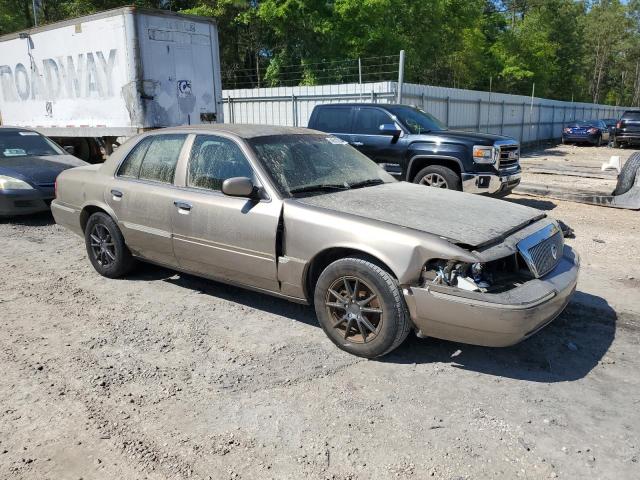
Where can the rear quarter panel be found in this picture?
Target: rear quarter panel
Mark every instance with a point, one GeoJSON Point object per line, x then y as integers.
{"type": "Point", "coordinates": [78, 188]}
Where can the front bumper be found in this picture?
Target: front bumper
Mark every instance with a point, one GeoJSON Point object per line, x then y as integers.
{"type": "Point", "coordinates": [627, 137]}
{"type": "Point", "coordinates": [489, 183]}
{"type": "Point", "coordinates": [494, 320]}
{"type": "Point", "coordinates": [24, 202]}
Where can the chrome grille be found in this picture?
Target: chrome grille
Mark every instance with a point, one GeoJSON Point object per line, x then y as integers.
{"type": "Point", "coordinates": [509, 157]}
{"type": "Point", "coordinates": [543, 250]}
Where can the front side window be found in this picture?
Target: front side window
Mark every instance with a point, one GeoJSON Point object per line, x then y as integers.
{"type": "Point", "coordinates": [368, 121]}
{"type": "Point", "coordinates": [333, 119]}
{"type": "Point", "coordinates": [22, 143]}
{"type": "Point", "coordinates": [215, 159]}
{"type": "Point", "coordinates": [416, 120]}
{"type": "Point", "coordinates": [154, 158]}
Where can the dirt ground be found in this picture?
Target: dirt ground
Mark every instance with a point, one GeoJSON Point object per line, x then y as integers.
{"type": "Point", "coordinates": [164, 375]}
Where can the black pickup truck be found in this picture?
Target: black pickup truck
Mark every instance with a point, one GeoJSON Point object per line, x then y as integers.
{"type": "Point", "coordinates": [414, 146]}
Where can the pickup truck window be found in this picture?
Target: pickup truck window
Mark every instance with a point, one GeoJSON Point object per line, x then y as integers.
{"type": "Point", "coordinates": [416, 120]}
{"type": "Point", "coordinates": [215, 159]}
{"type": "Point", "coordinates": [333, 119]}
{"type": "Point", "coordinates": [633, 115]}
{"type": "Point", "coordinates": [368, 121]}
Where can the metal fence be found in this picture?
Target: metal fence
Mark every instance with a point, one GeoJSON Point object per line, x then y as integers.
{"type": "Point", "coordinates": [524, 118]}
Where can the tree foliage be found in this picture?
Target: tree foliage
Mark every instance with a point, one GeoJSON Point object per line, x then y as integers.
{"type": "Point", "coordinates": [582, 49]}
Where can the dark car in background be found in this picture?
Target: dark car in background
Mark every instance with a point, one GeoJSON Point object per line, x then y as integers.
{"type": "Point", "coordinates": [413, 145]}
{"type": "Point", "coordinates": [29, 165]}
{"type": "Point", "coordinates": [627, 131]}
{"type": "Point", "coordinates": [595, 132]}
{"type": "Point", "coordinates": [610, 123]}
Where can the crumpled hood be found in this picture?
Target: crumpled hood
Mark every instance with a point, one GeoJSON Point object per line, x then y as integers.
{"type": "Point", "coordinates": [462, 218]}
{"type": "Point", "coordinates": [41, 170]}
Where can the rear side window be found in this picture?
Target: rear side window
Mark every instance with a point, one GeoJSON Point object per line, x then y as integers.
{"type": "Point", "coordinates": [154, 159]}
{"type": "Point", "coordinates": [215, 159]}
{"type": "Point", "coordinates": [368, 121]}
{"type": "Point", "coordinates": [333, 120]}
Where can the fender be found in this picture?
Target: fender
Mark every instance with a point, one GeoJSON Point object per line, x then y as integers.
{"type": "Point", "coordinates": [435, 157]}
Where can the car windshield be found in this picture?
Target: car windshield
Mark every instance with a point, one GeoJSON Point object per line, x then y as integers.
{"type": "Point", "coordinates": [22, 143]}
{"type": "Point", "coordinates": [416, 120]}
{"type": "Point", "coordinates": [315, 163]}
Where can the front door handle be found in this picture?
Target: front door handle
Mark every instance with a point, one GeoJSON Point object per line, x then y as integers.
{"type": "Point", "coordinates": [117, 194]}
{"type": "Point", "coordinates": [357, 144]}
{"type": "Point", "coordinates": [183, 205]}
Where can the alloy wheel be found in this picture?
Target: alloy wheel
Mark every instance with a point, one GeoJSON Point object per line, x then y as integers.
{"type": "Point", "coordinates": [355, 309]}
{"type": "Point", "coordinates": [434, 180]}
{"type": "Point", "coordinates": [102, 246]}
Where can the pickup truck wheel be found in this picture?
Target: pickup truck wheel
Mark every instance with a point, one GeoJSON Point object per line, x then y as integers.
{"type": "Point", "coordinates": [105, 246]}
{"type": "Point", "coordinates": [439, 177]}
{"type": "Point", "coordinates": [361, 308]}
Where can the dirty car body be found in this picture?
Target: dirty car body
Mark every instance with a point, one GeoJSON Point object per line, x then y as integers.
{"type": "Point", "coordinates": [275, 209]}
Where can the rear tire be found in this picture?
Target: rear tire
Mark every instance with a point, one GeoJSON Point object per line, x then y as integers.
{"type": "Point", "coordinates": [438, 176]}
{"type": "Point", "coordinates": [628, 174]}
{"type": "Point", "coordinates": [106, 249]}
{"type": "Point", "coordinates": [361, 308]}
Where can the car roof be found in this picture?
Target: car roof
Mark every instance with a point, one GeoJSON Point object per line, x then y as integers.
{"type": "Point", "coordinates": [361, 104]}
{"type": "Point", "coordinates": [9, 128]}
{"type": "Point", "coordinates": [241, 130]}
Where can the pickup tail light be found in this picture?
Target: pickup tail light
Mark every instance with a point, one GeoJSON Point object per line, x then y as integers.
{"type": "Point", "coordinates": [619, 125]}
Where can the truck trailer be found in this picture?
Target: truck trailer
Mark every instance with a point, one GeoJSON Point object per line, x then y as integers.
{"type": "Point", "coordinates": [92, 80]}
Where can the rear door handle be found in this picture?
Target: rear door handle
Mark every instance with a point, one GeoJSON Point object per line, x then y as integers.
{"type": "Point", "coordinates": [117, 194]}
{"type": "Point", "coordinates": [183, 205]}
{"type": "Point", "coordinates": [357, 144]}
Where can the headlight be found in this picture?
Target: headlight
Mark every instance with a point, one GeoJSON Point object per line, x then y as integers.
{"type": "Point", "coordinates": [10, 183]}
{"type": "Point", "coordinates": [484, 154]}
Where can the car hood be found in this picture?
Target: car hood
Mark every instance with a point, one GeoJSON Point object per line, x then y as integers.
{"type": "Point", "coordinates": [470, 138]}
{"type": "Point", "coordinates": [40, 170]}
{"type": "Point", "coordinates": [462, 218]}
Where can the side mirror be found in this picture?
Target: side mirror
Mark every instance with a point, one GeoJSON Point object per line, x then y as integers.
{"type": "Point", "coordinates": [70, 149]}
{"type": "Point", "coordinates": [239, 187]}
{"type": "Point", "coordinates": [389, 129]}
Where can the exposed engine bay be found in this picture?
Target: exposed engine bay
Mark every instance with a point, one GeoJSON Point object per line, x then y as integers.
{"type": "Point", "coordinates": [491, 277]}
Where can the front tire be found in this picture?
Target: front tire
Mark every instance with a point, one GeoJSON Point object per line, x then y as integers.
{"type": "Point", "coordinates": [439, 177]}
{"type": "Point", "coordinates": [106, 249]}
{"type": "Point", "coordinates": [361, 308]}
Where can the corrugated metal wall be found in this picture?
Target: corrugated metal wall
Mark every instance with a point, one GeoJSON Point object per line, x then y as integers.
{"type": "Point", "coordinates": [513, 115]}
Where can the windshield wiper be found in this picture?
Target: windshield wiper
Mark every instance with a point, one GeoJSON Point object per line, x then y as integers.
{"type": "Point", "coordinates": [319, 187]}
{"type": "Point", "coordinates": [366, 183]}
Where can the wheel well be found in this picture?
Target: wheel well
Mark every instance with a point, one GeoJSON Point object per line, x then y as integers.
{"type": "Point", "coordinates": [327, 257]}
{"type": "Point", "coordinates": [87, 212]}
{"type": "Point", "coordinates": [419, 163]}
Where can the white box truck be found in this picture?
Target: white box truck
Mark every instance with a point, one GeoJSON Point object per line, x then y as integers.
{"type": "Point", "coordinates": [112, 74]}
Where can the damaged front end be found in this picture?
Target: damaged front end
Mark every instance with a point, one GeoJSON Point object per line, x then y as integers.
{"type": "Point", "coordinates": [518, 287]}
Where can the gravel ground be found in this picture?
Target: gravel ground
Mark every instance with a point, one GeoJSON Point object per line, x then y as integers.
{"type": "Point", "coordinates": [164, 375]}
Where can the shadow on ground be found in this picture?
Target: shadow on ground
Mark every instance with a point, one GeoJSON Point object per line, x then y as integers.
{"type": "Point", "coordinates": [533, 203]}
{"type": "Point", "coordinates": [566, 350]}
{"type": "Point", "coordinates": [34, 220]}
